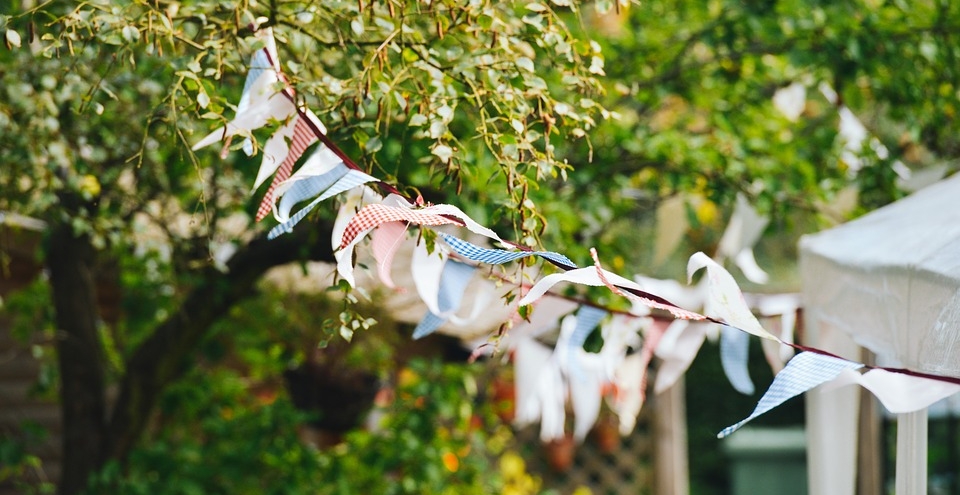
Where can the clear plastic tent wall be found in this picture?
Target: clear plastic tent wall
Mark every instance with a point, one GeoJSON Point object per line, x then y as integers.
{"type": "Point", "coordinates": [891, 279]}
{"type": "Point", "coordinates": [890, 282]}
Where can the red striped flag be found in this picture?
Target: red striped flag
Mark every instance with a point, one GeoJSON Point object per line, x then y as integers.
{"type": "Point", "coordinates": [303, 137]}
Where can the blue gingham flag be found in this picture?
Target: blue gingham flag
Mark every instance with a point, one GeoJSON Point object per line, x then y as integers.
{"type": "Point", "coordinates": [734, 348]}
{"type": "Point", "coordinates": [352, 179]}
{"type": "Point", "coordinates": [805, 371]}
{"type": "Point", "coordinates": [499, 256]}
{"type": "Point", "coordinates": [307, 188]}
{"type": "Point", "coordinates": [453, 284]}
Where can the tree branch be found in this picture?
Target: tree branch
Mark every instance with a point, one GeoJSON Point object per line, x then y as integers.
{"type": "Point", "coordinates": [166, 355]}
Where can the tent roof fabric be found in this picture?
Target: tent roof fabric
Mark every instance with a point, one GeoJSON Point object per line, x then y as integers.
{"type": "Point", "coordinates": [891, 279]}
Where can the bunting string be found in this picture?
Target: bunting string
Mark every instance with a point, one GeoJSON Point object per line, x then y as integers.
{"type": "Point", "coordinates": [329, 172]}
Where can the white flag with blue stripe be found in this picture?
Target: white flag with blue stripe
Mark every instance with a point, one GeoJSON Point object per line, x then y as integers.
{"type": "Point", "coordinates": [734, 351]}
{"type": "Point", "coordinates": [305, 188]}
{"type": "Point", "coordinates": [453, 284]}
{"type": "Point", "coordinates": [350, 180]}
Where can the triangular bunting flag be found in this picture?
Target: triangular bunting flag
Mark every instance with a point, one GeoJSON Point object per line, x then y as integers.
{"type": "Point", "coordinates": [372, 216]}
{"type": "Point", "coordinates": [427, 269]}
{"type": "Point", "coordinates": [453, 284]}
{"type": "Point", "coordinates": [349, 207]}
{"type": "Point", "coordinates": [805, 371]}
{"type": "Point", "coordinates": [385, 242]}
{"type": "Point", "coordinates": [742, 233]}
{"type": "Point", "coordinates": [277, 107]}
{"type": "Point", "coordinates": [724, 299]}
{"type": "Point", "coordinates": [350, 180]}
{"type": "Point", "coordinates": [256, 91]}
{"type": "Point", "coordinates": [529, 360]}
{"type": "Point", "coordinates": [678, 347]}
{"type": "Point", "coordinates": [628, 400]}
{"type": "Point", "coordinates": [274, 152]}
{"type": "Point", "coordinates": [734, 350]}
{"type": "Point", "coordinates": [650, 342]}
{"type": "Point", "coordinates": [303, 136]}
{"type": "Point", "coordinates": [588, 317]}
{"type": "Point", "coordinates": [586, 394]}
{"type": "Point", "coordinates": [299, 189]}
{"type": "Point", "coordinates": [631, 290]}
{"type": "Point", "coordinates": [498, 256]}
{"type": "Point", "coordinates": [898, 392]}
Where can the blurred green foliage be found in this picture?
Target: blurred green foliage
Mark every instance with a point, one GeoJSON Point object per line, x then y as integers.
{"type": "Point", "coordinates": [433, 437]}
{"type": "Point", "coordinates": [550, 121]}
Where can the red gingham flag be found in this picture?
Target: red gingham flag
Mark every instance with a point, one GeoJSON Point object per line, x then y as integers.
{"type": "Point", "coordinates": [303, 137]}
{"type": "Point", "coordinates": [372, 216]}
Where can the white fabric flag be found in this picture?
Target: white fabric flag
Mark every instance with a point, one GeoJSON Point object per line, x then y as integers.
{"type": "Point", "coordinates": [898, 392]}
{"type": "Point", "coordinates": [744, 230]}
{"type": "Point", "coordinates": [629, 398]}
{"type": "Point", "coordinates": [552, 392]}
{"type": "Point", "coordinates": [583, 276]}
{"type": "Point", "coordinates": [427, 268]}
{"type": "Point", "coordinates": [724, 299]}
{"type": "Point", "coordinates": [278, 106]}
{"type": "Point", "coordinates": [586, 392]}
{"type": "Point", "coordinates": [734, 354]}
{"type": "Point", "coordinates": [677, 350]}
{"type": "Point", "coordinates": [274, 152]}
{"type": "Point", "coordinates": [348, 209]}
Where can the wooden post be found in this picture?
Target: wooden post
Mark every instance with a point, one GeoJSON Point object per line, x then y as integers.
{"type": "Point", "coordinates": [671, 469]}
{"type": "Point", "coordinates": [869, 443]}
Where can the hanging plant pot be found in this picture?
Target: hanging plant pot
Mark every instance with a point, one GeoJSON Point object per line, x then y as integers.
{"type": "Point", "coordinates": [504, 399]}
{"type": "Point", "coordinates": [340, 398]}
{"type": "Point", "coordinates": [606, 435]}
{"type": "Point", "coordinates": [559, 453]}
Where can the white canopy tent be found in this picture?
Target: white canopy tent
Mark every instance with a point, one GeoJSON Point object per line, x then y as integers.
{"type": "Point", "coordinates": [890, 282]}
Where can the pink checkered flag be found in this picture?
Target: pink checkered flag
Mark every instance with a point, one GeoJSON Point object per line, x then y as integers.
{"type": "Point", "coordinates": [386, 241]}
{"type": "Point", "coordinates": [372, 216]}
{"type": "Point", "coordinates": [303, 136]}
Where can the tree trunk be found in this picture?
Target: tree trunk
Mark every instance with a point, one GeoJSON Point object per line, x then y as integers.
{"type": "Point", "coordinates": [70, 258]}
{"type": "Point", "coordinates": [89, 437]}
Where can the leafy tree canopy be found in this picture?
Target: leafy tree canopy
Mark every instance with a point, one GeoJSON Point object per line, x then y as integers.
{"type": "Point", "coordinates": [550, 121]}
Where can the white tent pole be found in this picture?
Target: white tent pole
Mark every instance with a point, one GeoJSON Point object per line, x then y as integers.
{"type": "Point", "coordinates": [831, 421]}
{"type": "Point", "coordinates": [912, 453]}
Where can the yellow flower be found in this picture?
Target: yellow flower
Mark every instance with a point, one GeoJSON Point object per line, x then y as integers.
{"type": "Point", "coordinates": [89, 187]}
{"type": "Point", "coordinates": [407, 377]}
{"type": "Point", "coordinates": [512, 465]}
